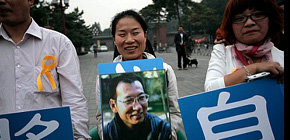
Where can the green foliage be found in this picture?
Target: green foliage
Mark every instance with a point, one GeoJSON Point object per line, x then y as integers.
{"type": "Point", "coordinates": [41, 13]}
{"type": "Point", "coordinates": [76, 30]}
{"type": "Point", "coordinates": [217, 5]}
{"type": "Point", "coordinates": [197, 18]}
{"type": "Point", "coordinates": [151, 13]}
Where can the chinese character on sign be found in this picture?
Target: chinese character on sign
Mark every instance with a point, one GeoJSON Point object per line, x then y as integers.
{"type": "Point", "coordinates": [120, 69]}
{"type": "Point", "coordinates": [216, 124]}
{"type": "Point", "coordinates": [130, 66]}
{"type": "Point", "coordinates": [4, 131]}
{"type": "Point", "coordinates": [51, 126]}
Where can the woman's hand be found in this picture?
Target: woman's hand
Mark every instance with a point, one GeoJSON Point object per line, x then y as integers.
{"type": "Point", "coordinates": [240, 75]}
{"type": "Point", "coordinates": [274, 68]}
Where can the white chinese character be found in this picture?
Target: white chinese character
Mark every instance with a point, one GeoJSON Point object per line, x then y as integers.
{"type": "Point", "coordinates": [50, 127]}
{"type": "Point", "coordinates": [4, 129]}
{"type": "Point", "coordinates": [260, 113]}
{"type": "Point", "coordinates": [120, 69]}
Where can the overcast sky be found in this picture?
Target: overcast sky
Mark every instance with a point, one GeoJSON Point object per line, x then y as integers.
{"type": "Point", "coordinates": [102, 11]}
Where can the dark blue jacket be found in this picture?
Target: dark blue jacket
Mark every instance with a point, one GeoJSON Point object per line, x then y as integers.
{"type": "Point", "coordinates": [152, 128]}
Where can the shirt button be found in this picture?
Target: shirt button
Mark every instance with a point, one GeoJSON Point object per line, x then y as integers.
{"type": "Point", "coordinates": [18, 66]}
{"type": "Point", "coordinates": [19, 86]}
{"type": "Point", "coordinates": [18, 107]}
{"type": "Point", "coordinates": [18, 47]}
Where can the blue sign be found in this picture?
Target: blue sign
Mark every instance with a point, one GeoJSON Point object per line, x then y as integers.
{"type": "Point", "coordinates": [48, 124]}
{"type": "Point", "coordinates": [130, 66]}
{"type": "Point", "coordinates": [252, 110]}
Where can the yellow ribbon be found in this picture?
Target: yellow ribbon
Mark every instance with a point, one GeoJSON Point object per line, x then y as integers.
{"type": "Point", "coordinates": [234, 70]}
{"type": "Point", "coordinates": [46, 70]}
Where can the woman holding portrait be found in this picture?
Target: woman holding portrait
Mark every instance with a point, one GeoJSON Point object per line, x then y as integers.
{"type": "Point", "coordinates": [249, 26]}
{"type": "Point", "coordinates": [129, 31]}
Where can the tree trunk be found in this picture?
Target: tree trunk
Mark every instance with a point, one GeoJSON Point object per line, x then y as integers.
{"type": "Point", "coordinates": [177, 11]}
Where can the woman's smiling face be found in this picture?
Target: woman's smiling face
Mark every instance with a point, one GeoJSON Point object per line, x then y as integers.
{"type": "Point", "coordinates": [130, 38]}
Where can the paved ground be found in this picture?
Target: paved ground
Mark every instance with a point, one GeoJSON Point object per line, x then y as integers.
{"type": "Point", "coordinates": [189, 81]}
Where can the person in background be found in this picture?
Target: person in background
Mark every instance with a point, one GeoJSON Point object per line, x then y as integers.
{"type": "Point", "coordinates": [129, 102]}
{"type": "Point", "coordinates": [248, 26]}
{"type": "Point", "coordinates": [180, 41]}
{"type": "Point", "coordinates": [129, 31]}
{"type": "Point", "coordinates": [95, 49]}
{"type": "Point", "coordinates": [39, 67]}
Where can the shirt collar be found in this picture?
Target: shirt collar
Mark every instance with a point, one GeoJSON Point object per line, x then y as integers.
{"type": "Point", "coordinates": [33, 30]}
{"type": "Point", "coordinates": [2, 31]}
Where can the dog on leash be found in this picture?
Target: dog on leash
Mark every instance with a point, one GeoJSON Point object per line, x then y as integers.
{"type": "Point", "coordinates": [191, 61]}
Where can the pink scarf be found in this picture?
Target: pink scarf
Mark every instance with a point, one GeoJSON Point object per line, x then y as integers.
{"type": "Point", "coordinates": [243, 53]}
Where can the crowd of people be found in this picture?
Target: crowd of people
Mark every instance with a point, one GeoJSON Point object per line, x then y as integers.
{"type": "Point", "coordinates": [40, 67]}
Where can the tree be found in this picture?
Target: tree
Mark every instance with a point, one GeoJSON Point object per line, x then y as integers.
{"type": "Point", "coordinates": [77, 31]}
{"type": "Point", "coordinates": [200, 18]}
{"type": "Point", "coordinates": [44, 14]}
{"type": "Point", "coordinates": [41, 13]}
{"type": "Point", "coordinates": [218, 6]}
{"type": "Point", "coordinates": [151, 13]}
{"type": "Point", "coordinates": [164, 10]}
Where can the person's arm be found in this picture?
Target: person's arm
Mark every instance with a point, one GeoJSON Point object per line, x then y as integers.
{"type": "Point", "coordinates": [175, 116]}
{"type": "Point", "coordinates": [216, 69]}
{"type": "Point", "coordinates": [99, 112]}
{"type": "Point", "coordinates": [240, 75]}
{"type": "Point", "coordinates": [217, 77]}
{"type": "Point", "coordinates": [71, 89]}
{"type": "Point", "coordinates": [176, 40]}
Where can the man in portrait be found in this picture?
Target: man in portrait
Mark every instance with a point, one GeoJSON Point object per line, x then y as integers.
{"type": "Point", "coordinates": [129, 103]}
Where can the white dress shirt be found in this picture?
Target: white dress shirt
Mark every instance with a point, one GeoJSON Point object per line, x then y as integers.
{"type": "Point", "coordinates": [181, 38]}
{"type": "Point", "coordinates": [20, 65]}
{"type": "Point", "coordinates": [222, 63]}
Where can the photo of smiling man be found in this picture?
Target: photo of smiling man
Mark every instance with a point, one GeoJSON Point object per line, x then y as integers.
{"type": "Point", "coordinates": [128, 101]}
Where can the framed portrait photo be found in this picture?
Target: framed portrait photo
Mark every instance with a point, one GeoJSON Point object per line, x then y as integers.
{"type": "Point", "coordinates": [135, 106]}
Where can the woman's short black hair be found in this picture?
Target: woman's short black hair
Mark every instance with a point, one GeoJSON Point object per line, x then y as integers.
{"type": "Point", "coordinates": [270, 7]}
{"type": "Point", "coordinates": [128, 13]}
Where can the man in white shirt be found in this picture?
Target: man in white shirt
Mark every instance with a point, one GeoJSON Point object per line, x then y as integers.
{"type": "Point", "coordinates": [39, 68]}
